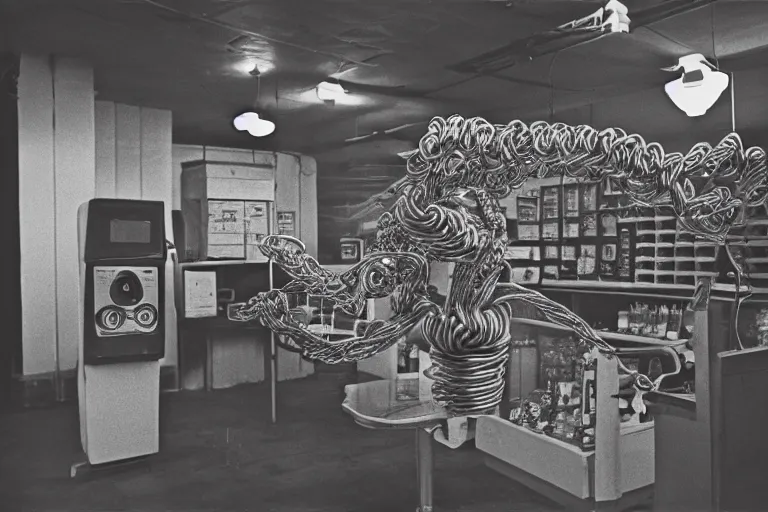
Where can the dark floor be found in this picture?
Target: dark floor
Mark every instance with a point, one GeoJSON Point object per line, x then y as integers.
{"type": "Point", "coordinates": [219, 452]}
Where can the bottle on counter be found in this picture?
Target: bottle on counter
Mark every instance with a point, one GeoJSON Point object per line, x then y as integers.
{"type": "Point", "coordinates": [634, 320]}
{"type": "Point", "coordinates": [662, 321]}
{"type": "Point", "coordinates": [623, 322]}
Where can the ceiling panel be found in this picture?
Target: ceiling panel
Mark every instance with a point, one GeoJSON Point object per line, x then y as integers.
{"type": "Point", "coordinates": [394, 56]}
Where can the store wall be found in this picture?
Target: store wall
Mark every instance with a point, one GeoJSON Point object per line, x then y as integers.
{"type": "Point", "coordinates": [56, 175]}
{"type": "Point", "coordinates": [134, 161]}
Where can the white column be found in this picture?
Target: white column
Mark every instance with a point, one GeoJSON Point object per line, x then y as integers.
{"type": "Point", "coordinates": [37, 215]}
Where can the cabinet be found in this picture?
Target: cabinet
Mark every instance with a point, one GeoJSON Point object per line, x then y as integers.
{"type": "Point", "coordinates": [227, 209]}
{"type": "Point", "coordinates": [710, 449]}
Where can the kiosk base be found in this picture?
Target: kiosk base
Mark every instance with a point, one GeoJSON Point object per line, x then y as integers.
{"type": "Point", "coordinates": [84, 468]}
{"type": "Point", "coordinates": [119, 411]}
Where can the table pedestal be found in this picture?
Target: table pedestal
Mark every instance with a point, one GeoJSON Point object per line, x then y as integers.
{"type": "Point", "coordinates": [424, 467]}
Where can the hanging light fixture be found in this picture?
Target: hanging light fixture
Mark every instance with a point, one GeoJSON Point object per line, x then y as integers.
{"type": "Point", "coordinates": [251, 122]}
{"type": "Point", "coordinates": [700, 86]}
{"type": "Point", "coordinates": [327, 91]}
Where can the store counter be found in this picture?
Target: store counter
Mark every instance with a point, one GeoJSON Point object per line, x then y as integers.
{"type": "Point", "coordinates": [562, 471]}
{"type": "Point", "coordinates": [618, 472]}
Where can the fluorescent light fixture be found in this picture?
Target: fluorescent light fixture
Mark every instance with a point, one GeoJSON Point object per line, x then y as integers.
{"type": "Point", "coordinates": [327, 91]}
{"type": "Point", "coordinates": [251, 122]}
{"type": "Point", "coordinates": [700, 86]}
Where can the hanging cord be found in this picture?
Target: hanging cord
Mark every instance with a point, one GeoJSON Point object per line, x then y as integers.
{"type": "Point", "coordinates": [712, 28]}
{"type": "Point", "coordinates": [737, 298]}
{"type": "Point", "coordinates": [733, 103]}
{"type": "Point", "coordinates": [258, 90]}
{"type": "Point", "coordinates": [552, 87]}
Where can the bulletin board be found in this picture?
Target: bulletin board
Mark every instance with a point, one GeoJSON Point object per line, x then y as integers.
{"type": "Point", "coordinates": [286, 223]}
{"type": "Point", "coordinates": [235, 228]}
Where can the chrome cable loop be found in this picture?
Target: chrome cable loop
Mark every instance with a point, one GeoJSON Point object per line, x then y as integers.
{"type": "Point", "coordinates": [449, 211]}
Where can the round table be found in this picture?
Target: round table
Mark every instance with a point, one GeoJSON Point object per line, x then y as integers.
{"type": "Point", "coordinates": [375, 405]}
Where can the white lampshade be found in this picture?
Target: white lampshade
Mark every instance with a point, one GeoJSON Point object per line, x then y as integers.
{"type": "Point", "coordinates": [330, 92]}
{"type": "Point", "coordinates": [253, 124]}
{"type": "Point", "coordinates": [704, 86]}
{"type": "Point", "coordinates": [697, 98]}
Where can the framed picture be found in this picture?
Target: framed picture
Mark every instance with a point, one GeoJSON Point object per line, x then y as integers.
{"type": "Point", "coordinates": [527, 209]}
{"type": "Point", "coordinates": [550, 231]}
{"type": "Point", "coordinates": [571, 201]}
{"type": "Point", "coordinates": [569, 253]}
{"type": "Point", "coordinates": [589, 225]}
{"type": "Point", "coordinates": [608, 252]}
{"type": "Point", "coordinates": [589, 198]}
{"type": "Point", "coordinates": [551, 272]}
{"type": "Point", "coordinates": [286, 223]}
{"type": "Point", "coordinates": [523, 253]}
{"type": "Point", "coordinates": [571, 230]}
{"type": "Point", "coordinates": [611, 187]}
{"type": "Point", "coordinates": [551, 252]}
{"type": "Point", "coordinates": [587, 260]}
{"type": "Point", "coordinates": [527, 231]}
{"type": "Point", "coordinates": [608, 224]}
{"type": "Point", "coordinates": [550, 203]}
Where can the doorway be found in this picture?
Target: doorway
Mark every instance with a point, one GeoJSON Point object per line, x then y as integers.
{"type": "Point", "coordinates": [10, 273]}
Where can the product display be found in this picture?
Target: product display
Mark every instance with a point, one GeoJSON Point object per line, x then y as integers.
{"type": "Point", "coordinates": [449, 211]}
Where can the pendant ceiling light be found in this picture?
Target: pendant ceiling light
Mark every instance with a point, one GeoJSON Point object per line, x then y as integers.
{"type": "Point", "coordinates": [327, 91]}
{"type": "Point", "coordinates": [251, 122]}
{"type": "Point", "coordinates": [700, 86]}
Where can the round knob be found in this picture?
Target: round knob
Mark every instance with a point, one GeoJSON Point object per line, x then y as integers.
{"type": "Point", "coordinates": [145, 315]}
{"type": "Point", "coordinates": [110, 318]}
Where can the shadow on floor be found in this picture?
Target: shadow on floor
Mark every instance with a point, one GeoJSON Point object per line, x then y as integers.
{"type": "Point", "coordinates": [219, 452]}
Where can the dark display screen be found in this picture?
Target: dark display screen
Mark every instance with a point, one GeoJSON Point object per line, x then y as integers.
{"type": "Point", "coordinates": [349, 251]}
{"type": "Point", "coordinates": [130, 231]}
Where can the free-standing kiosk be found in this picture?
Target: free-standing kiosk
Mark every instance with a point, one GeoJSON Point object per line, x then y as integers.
{"type": "Point", "coordinates": [122, 327]}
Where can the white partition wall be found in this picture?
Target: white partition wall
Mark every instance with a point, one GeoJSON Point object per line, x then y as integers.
{"type": "Point", "coordinates": [56, 174]}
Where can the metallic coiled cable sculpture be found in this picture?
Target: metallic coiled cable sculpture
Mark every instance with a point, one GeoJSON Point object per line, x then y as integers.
{"type": "Point", "coordinates": [449, 211]}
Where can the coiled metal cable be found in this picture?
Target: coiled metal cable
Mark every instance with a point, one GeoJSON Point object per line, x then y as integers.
{"type": "Point", "coordinates": [449, 211]}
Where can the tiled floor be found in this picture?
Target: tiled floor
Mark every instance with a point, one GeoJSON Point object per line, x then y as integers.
{"type": "Point", "coordinates": [220, 452]}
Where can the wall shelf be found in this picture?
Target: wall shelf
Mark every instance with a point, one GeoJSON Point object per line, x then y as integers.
{"type": "Point", "coordinates": [645, 340]}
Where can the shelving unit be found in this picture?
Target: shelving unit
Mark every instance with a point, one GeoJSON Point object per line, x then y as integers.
{"type": "Point", "coordinates": [666, 254]}
{"type": "Point", "coordinates": [749, 244]}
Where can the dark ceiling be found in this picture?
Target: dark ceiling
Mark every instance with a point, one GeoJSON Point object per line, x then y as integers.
{"type": "Point", "coordinates": [403, 61]}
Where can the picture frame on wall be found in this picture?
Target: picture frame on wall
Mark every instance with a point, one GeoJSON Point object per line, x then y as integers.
{"type": "Point", "coordinates": [286, 223]}
{"type": "Point", "coordinates": [608, 224]}
{"type": "Point", "coordinates": [589, 225]}
{"type": "Point", "coordinates": [551, 252]}
{"type": "Point", "coordinates": [527, 232]}
{"type": "Point", "coordinates": [587, 262]}
{"type": "Point", "coordinates": [589, 197]}
{"type": "Point", "coordinates": [571, 201]}
{"type": "Point", "coordinates": [550, 203]}
{"type": "Point", "coordinates": [527, 209]}
{"type": "Point", "coordinates": [571, 230]}
{"type": "Point", "coordinates": [611, 187]}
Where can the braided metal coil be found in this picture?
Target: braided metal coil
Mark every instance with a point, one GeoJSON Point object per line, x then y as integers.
{"type": "Point", "coordinates": [449, 211]}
